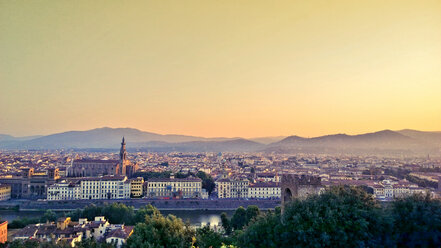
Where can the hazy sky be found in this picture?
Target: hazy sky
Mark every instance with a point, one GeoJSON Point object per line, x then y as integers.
{"type": "Point", "coordinates": [220, 68]}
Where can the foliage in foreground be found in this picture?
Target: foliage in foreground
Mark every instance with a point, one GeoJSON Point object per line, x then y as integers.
{"type": "Point", "coordinates": [340, 217]}
{"type": "Point", "coordinates": [347, 217]}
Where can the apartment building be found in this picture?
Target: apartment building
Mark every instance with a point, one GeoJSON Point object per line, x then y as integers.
{"type": "Point", "coordinates": [223, 187]}
{"type": "Point", "coordinates": [190, 187]}
{"type": "Point", "coordinates": [107, 187]}
{"type": "Point", "coordinates": [5, 192]}
{"type": "Point", "coordinates": [136, 187]}
{"type": "Point", "coordinates": [232, 188]}
{"type": "Point", "coordinates": [64, 191]}
{"type": "Point", "coordinates": [3, 232]}
{"type": "Point", "coordinates": [264, 190]}
{"type": "Point", "coordinates": [387, 189]}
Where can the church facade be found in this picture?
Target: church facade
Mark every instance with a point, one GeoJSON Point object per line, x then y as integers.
{"type": "Point", "coordinates": [94, 168]}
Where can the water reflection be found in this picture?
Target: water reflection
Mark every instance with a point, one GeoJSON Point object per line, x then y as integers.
{"type": "Point", "coordinates": [195, 217]}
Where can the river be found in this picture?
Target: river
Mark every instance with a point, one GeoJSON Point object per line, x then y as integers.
{"type": "Point", "coordinates": [196, 217]}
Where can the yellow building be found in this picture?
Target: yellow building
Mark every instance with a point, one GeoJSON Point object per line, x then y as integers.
{"type": "Point", "coordinates": [223, 187]}
{"type": "Point", "coordinates": [136, 187]}
{"type": "Point", "coordinates": [5, 192]}
{"type": "Point", "coordinates": [232, 188]}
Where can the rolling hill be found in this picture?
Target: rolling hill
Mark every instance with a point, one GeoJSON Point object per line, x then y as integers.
{"type": "Point", "coordinates": [381, 142]}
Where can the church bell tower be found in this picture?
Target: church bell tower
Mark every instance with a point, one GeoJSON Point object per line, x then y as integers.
{"type": "Point", "coordinates": [122, 158]}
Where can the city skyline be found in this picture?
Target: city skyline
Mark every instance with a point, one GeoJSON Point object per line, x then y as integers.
{"type": "Point", "coordinates": [220, 69]}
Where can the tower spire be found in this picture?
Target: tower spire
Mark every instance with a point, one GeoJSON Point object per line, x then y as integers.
{"type": "Point", "coordinates": [122, 157]}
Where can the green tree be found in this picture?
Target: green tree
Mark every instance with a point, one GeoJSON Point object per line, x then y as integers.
{"type": "Point", "coordinates": [147, 210]}
{"type": "Point", "coordinates": [92, 243]}
{"type": "Point", "coordinates": [207, 237]}
{"type": "Point", "coordinates": [226, 224]}
{"type": "Point", "coordinates": [28, 243]}
{"type": "Point", "coordinates": [117, 213]}
{"type": "Point", "coordinates": [264, 231]}
{"type": "Point", "coordinates": [239, 219]}
{"type": "Point", "coordinates": [416, 221]}
{"type": "Point", "coordinates": [49, 215]}
{"type": "Point", "coordinates": [91, 211]}
{"type": "Point", "coordinates": [159, 231]}
{"type": "Point", "coordinates": [207, 181]}
{"type": "Point", "coordinates": [252, 212]}
{"type": "Point", "coordinates": [340, 217]}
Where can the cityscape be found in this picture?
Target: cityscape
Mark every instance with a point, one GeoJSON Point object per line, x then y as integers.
{"type": "Point", "coordinates": [220, 124]}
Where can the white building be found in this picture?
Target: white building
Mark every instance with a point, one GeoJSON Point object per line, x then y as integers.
{"type": "Point", "coordinates": [387, 189]}
{"type": "Point", "coordinates": [189, 187]}
{"type": "Point", "coordinates": [64, 191]}
{"type": "Point", "coordinates": [267, 177]}
{"type": "Point", "coordinates": [107, 187]}
{"type": "Point", "coordinates": [264, 190]}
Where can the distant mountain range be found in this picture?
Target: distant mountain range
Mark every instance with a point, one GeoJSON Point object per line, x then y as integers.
{"type": "Point", "coordinates": [382, 142]}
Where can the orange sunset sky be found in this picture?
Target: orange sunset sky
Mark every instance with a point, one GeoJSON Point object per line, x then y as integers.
{"type": "Point", "coordinates": [220, 68]}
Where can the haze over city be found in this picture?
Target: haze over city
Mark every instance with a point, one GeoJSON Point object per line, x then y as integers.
{"type": "Point", "coordinates": [220, 68]}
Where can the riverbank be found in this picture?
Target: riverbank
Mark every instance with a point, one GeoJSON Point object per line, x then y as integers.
{"type": "Point", "coordinates": [172, 204]}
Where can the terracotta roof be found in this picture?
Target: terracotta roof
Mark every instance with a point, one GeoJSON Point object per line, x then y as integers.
{"type": "Point", "coordinates": [27, 231]}
{"type": "Point", "coordinates": [122, 233]}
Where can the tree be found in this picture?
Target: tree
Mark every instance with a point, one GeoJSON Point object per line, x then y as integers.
{"type": "Point", "coordinates": [226, 223]}
{"type": "Point", "coordinates": [263, 232]}
{"type": "Point", "coordinates": [252, 212]}
{"type": "Point", "coordinates": [160, 231]}
{"type": "Point", "coordinates": [340, 217]}
{"type": "Point", "coordinates": [117, 213]}
{"type": "Point", "coordinates": [207, 181]}
{"type": "Point", "coordinates": [92, 243]}
{"type": "Point", "coordinates": [147, 210]}
{"type": "Point", "coordinates": [239, 219]}
{"type": "Point", "coordinates": [416, 221]}
{"type": "Point", "coordinates": [207, 237]}
{"type": "Point", "coordinates": [28, 243]}
{"type": "Point", "coordinates": [49, 215]}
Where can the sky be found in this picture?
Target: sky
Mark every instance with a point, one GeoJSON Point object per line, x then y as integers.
{"type": "Point", "coordinates": [220, 68]}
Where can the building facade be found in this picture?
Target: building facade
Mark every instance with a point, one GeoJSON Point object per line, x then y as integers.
{"type": "Point", "coordinates": [388, 190]}
{"type": "Point", "coordinates": [96, 167]}
{"type": "Point", "coordinates": [93, 168]}
{"type": "Point", "coordinates": [106, 187]}
{"type": "Point", "coordinates": [3, 232]}
{"type": "Point", "coordinates": [5, 192]}
{"type": "Point", "coordinates": [136, 187]}
{"type": "Point", "coordinates": [223, 187]}
{"type": "Point", "coordinates": [264, 190]}
{"type": "Point", "coordinates": [64, 191]}
{"type": "Point", "coordinates": [232, 188]}
{"type": "Point", "coordinates": [31, 184]}
{"type": "Point", "coordinates": [174, 187]}
{"type": "Point", "coordinates": [239, 188]}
